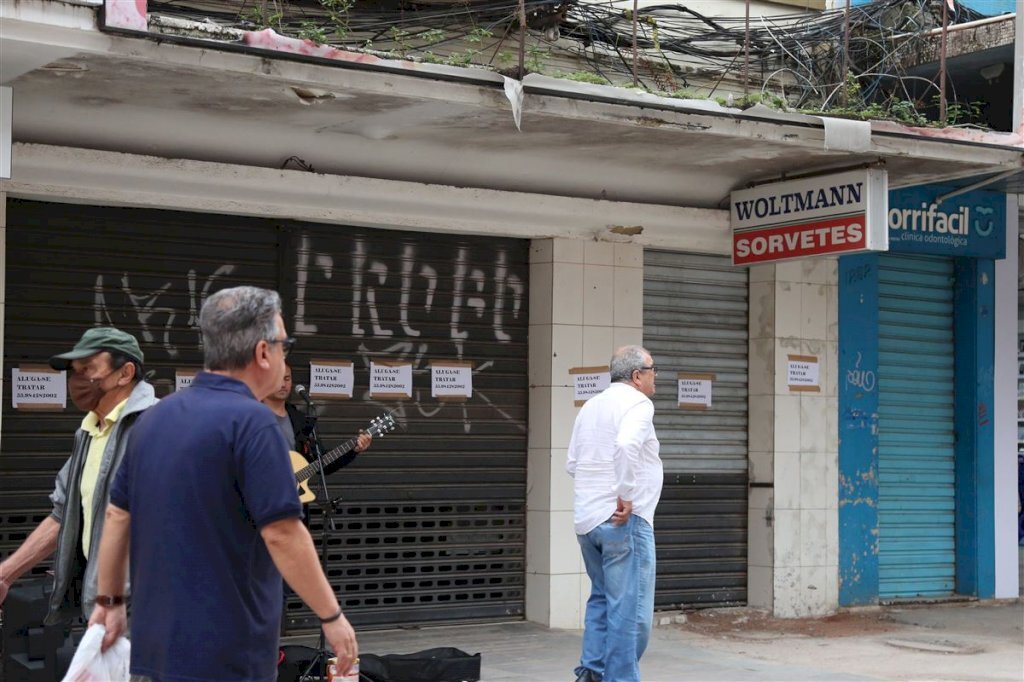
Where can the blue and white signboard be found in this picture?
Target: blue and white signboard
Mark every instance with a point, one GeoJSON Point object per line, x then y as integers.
{"type": "Point", "coordinates": [972, 224]}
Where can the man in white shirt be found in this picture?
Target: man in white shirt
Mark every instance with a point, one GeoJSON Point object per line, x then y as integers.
{"type": "Point", "coordinates": [613, 459]}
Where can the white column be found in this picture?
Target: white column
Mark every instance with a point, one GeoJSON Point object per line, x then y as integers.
{"type": "Point", "coordinates": [586, 299]}
{"type": "Point", "coordinates": [1005, 391]}
{"type": "Point", "coordinates": [1008, 554]}
{"type": "Point", "coordinates": [793, 453]}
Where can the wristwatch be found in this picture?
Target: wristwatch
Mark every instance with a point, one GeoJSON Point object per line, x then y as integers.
{"type": "Point", "coordinates": [107, 600]}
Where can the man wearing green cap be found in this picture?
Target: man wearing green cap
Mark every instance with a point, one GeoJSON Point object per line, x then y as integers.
{"type": "Point", "coordinates": [105, 381]}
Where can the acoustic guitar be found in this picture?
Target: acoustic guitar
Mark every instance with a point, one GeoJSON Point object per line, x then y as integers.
{"type": "Point", "coordinates": [304, 470]}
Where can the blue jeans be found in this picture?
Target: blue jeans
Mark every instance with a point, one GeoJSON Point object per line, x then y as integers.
{"type": "Point", "coordinates": [620, 611]}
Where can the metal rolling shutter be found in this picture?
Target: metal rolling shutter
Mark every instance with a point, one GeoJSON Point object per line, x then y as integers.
{"type": "Point", "coordinates": [430, 525]}
{"type": "Point", "coordinates": [71, 267]}
{"type": "Point", "coordinates": [915, 428]}
{"type": "Point", "coordinates": [695, 320]}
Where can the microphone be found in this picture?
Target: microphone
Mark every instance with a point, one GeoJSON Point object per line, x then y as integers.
{"type": "Point", "coordinates": [301, 390]}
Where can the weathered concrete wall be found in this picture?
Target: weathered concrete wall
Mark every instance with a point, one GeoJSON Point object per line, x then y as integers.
{"type": "Point", "coordinates": [792, 514]}
{"type": "Point", "coordinates": [586, 299]}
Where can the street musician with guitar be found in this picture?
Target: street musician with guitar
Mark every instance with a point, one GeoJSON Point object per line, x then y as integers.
{"type": "Point", "coordinates": [300, 430]}
{"type": "Point", "coordinates": [295, 427]}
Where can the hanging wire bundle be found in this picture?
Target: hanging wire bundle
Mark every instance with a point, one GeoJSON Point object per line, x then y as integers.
{"type": "Point", "coordinates": [810, 60]}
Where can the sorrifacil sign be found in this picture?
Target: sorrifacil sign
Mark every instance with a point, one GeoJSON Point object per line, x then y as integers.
{"type": "Point", "coordinates": [825, 215]}
{"type": "Point", "coordinates": [972, 224]}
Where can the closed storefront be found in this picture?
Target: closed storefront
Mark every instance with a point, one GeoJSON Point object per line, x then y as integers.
{"type": "Point", "coordinates": [916, 477]}
{"type": "Point", "coordinates": [916, 363]}
{"type": "Point", "coordinates": [695, 323]}
{"type": "Point", "coordinates": [429, 524]}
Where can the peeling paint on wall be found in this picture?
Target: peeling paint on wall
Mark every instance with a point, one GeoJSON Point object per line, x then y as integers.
{"type": "Point", "coordinates": [268, 39]}
{"type": "Point", "coordinates": [858, 424]}
{"type": "Point", "coordinates": [126, 14]}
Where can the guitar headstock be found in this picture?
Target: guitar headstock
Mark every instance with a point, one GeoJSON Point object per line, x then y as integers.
{"type": "Point", "coordinates": [382, 424]}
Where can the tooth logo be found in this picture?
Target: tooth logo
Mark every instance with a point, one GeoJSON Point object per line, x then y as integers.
{"type": "Point", "coordinates": [987, 230]}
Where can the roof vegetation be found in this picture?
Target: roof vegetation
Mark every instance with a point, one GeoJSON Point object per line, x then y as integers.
{"type": "Point", "coordinates": [855, 66]}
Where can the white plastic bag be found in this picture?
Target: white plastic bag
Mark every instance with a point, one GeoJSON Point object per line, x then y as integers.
{"type": "Point", "coordinates": [92, 665]}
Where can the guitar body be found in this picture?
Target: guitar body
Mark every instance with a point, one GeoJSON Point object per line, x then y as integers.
{"type": "Point", "coordinates": [304, 470]}
{"type": "Point", "coordinates": [298, 463]}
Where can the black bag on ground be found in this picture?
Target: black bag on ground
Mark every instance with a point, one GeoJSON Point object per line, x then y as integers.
{"type": "Point", "coordinates": [443, 664]}
{"type": "Point", "coordinates": [29, 648]}
{"type": "Point", "coordinates": [294, 661]}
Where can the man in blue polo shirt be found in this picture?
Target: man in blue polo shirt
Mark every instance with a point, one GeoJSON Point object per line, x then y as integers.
{"type": "Point", "coordinates": [206, 500]}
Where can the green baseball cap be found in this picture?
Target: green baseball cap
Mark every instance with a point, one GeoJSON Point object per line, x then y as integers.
{"type": "Point", "coordinates": [97, 340]}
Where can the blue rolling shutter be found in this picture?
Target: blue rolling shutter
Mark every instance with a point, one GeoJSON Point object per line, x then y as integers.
{"type": "Point", "coordinates": [916, 428]}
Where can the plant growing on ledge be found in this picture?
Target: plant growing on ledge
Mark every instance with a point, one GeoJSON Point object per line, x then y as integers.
{"type": "Point", "coordinates": [263, 14]}
{"type": "Point", "coordinates": [337, 12]}
{"type": "Point", "coordinates": [309, 30]}
{"type": "Point", "coordinates": [961, 114]}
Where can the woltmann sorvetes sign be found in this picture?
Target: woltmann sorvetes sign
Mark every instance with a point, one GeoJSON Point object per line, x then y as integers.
{"type": "Point", "coordinates": [825, 215]}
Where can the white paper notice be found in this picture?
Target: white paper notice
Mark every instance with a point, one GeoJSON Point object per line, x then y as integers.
{"type": "Point", "coordinates": [451, 381]}
{"type": "Point", "coordinates": [390, 379]}
{"type": "Point", "coordinates": [803, 373]}
{"type": "Point", "coordinates": [330, 379]}
{"type": "Point", "coordinates": [183, 378]}
{"type": "Point", "coordinates": [41, 388]}
{"type": "Point", "coordinates": [694, 391]}
{"type": "Point", "coordinates": [588, 382]}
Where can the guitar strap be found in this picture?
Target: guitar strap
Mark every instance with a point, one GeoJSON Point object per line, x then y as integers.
{"type": "Point", "coordinates": [301, 427]}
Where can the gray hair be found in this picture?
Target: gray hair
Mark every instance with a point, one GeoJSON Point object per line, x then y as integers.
{"type": "Point", "coordinates": [233, 321]}
{"type": "Point", "coordinates": [119, 360]}
{"type": "Point", "coordinates": [625, 360]}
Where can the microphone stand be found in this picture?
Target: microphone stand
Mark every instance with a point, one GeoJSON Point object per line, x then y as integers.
{"type": "Point", "coordinates": [319, 662]}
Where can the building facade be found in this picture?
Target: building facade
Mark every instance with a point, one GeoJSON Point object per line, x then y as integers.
{"type": "Point", "coordinates": [405, 219]}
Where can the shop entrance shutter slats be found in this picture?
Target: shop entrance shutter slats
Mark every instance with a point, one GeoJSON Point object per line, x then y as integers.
{"type": "Point", "coordinates": [695, 320]}
{"type": "Point", "coordinates": [72, 267]}
{"type": "Point", "coordinates": [430, 523]}
{"type": "Point", "coordinates": [916, 428]}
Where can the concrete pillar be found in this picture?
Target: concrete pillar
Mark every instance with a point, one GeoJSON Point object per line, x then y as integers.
{"type": "Point", "coordinates": [586, 299]}
{"type": "Point", "coordinates": [1009, 556]}
{"type": "Point", "coordinates": [793, 452]}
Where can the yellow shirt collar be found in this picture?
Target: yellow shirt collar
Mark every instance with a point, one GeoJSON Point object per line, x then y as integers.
{"type": "Point", "coordinates": [91, 425]}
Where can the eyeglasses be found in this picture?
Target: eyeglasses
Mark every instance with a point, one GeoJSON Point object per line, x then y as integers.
{"type": "Point", "coordinates": [653, 368]}
{"type": "Point", "coordinates": [286, 344]}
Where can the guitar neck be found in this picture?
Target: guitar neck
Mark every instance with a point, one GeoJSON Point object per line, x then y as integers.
{"type": "Point", "coordinates": [326, 458]}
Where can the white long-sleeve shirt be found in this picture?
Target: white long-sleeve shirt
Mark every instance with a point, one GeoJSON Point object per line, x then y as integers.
{"type": "Point", "coordinates": [614, 453]}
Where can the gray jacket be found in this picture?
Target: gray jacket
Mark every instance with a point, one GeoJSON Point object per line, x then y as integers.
{"type": "Point", "coordinates": [67, 510]}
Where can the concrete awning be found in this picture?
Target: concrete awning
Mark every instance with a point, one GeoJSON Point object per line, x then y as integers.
{"type": "Point", "coordinates": [357, 115]}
